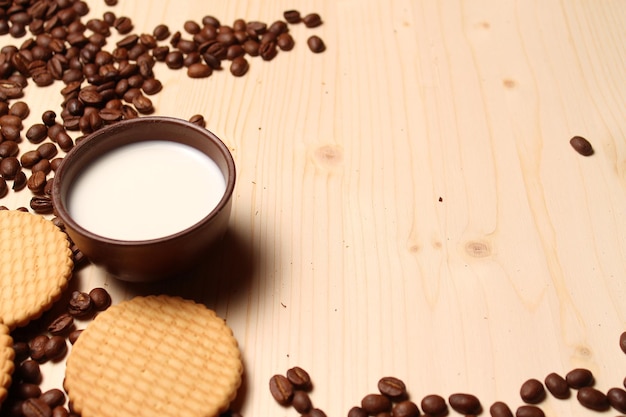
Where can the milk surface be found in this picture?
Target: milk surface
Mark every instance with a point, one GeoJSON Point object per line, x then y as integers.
{"type": "Point", "coordinates": [146, 190]}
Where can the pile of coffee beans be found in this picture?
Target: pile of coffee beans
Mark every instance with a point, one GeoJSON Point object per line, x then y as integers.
{"type": "Point", "coordinates": [42, 341]}
{"type": "Point", "coordinates": [292, 389]}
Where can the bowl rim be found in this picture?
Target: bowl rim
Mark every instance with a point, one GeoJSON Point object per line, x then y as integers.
{"type": "Point", "coordinates": [58, 199]}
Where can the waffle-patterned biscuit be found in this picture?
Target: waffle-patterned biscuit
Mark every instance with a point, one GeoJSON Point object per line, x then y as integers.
{"type": "Point", "coordinates": [154, 356]}
{"type": "Point", "coordinates": [6, 361]}
{"type": "Point", "coordinates": [35, 266]}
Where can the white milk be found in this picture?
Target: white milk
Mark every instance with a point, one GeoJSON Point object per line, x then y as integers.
{"type": "Point", "coordinates": [146, 190]}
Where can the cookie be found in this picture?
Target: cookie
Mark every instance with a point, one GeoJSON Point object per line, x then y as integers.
{"type": "Point", "coordinates": [35, 266]}
{"type": "Point", "coordinates": [6, 361]}
{"type": "Point", "coordinates": [154, 356]}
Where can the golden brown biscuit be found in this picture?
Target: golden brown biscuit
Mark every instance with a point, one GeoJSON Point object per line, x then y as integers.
{"type": "Point", "coordinates": [154, 356]}
{"type": "Point", "coordinates": [35, 266]}
{"type": "Point", "coordinates": [6, 361]}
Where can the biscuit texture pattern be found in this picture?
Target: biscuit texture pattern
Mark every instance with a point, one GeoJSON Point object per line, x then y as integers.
{"type": "Point", "coordinates": [6, 361]}
{"type": "Point", "coordinates": [154, 356]}
{"type": "Point", "coordinates": [35, 266]}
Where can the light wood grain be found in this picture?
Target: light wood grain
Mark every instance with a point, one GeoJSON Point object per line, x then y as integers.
{"type": "Point", "coordinates": [407, 202]}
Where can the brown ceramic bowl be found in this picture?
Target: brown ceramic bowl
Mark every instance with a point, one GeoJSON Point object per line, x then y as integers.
{"type": "Point", "coordinates": [153, 258]}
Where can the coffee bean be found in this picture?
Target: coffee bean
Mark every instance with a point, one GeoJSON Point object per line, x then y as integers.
{"type": "Point", "coordinates": [143, 104]}
{"type": "Point", "coordinates": [100, 298]}
{"type": "Point", "coordinates": [199, 70]}
{"type": "Point", "coordinates": [53, 397]}
{"type": "Point", "coordinates": [557, 386]}
{"type": "Point", "coordinates": [29, 371]}
{"type": "Point", "coordinates": [357, 412]}
{"type": "Point", "coordinates": [464, 403]}
{"type": "Point", "coordinates": [579, 377]}
{"type": "Point", "coordinates": [60, 411]}
{"type": "Point", "coordinates": [500, 409]}
{"type": "Point", "coordinates": [299, 378]}
{"type": "Point", "coordinates": [405, 408]}
{"type": "Point", "coordinates": [285, 42]}
{"type": "Point", "coordinates": [73, 336]}
{"type": "Point", "coordinates": [161, 32]}
{"type": "Point", "coordinates": [251, 47]}
{"type": "Point", "coordinates": [198, 119]}
{"type": "Point", "coordinates": [9, 167]}
{"type": "Point", "coordinates": [10, 89]}
{"type": "Point", "coordinates": [312, 20]}
{"type": "Point", "coordinates": [61, 325]}
{"type": "Point", "coordinates": [151, 86]}
{"type": "Point", "coordinates": [48, 117]}
{"type": "Point", "coordinates": [532, 391]}
{"type": "Point", "coordinates": [316, 44]}
{"type": "Point", "coordinates": [20, 109]}
{"type": "Point", "coordinates": [80, 304]}
{"type": "Point", "coordinates": [268, 50]}
{"type": "Point", "coordinates": [30, 158]}
{"type": "Point", "coordinates": [281, 389]}
{"type": "Point", "coordinates": [55, 348]}
{"type": "Point", "coordinates": [434, 405]}
{"type": "Point", "coordinates": [25, 390]}
{"type": "Point", "coordinates": [36, 182]}
{"type": "Point", "coordinates": [581, 145]}
{"type": "Point", "coordinates": [123, 25]}
{"type": "Point", "coordinates": [392, 387]}
{"type": "Point", "coordinates": [592, 398]}
{"type": "Point", "coordinates": [11, 133]}
{"type": "Point", "coordinates": [174, 60]}
{"type": "Point", "coordinates": [37, 133]}
{"type": "Point", "coordinates": [617, 399]}
{"type": "Point", "coordinates": [8, 148]}
{"type": "Point", "coordinates": [37, 347]}
{"type": "Point", "coordinates": [35, 407]}
{"type": "Point", "coordinates": [375, 403]}
{"type": "Point", "coordinates": [622, 342]}
{"type": "Point", "coordinates": [301, 402]}
{"type": "Point", "coordinates": [47, 150]}
{"type": "Point", "coordinates": [529, 411]}
{"type": "Point", "coordinates": [239, 66]}
{"type": "Point", "coordinates": [4, 188]}
{"type": "Point", "coordinates": [292, 16]}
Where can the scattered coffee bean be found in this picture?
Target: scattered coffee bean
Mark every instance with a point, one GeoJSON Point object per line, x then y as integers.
{"type": "Point", "coordinates": [26, 390]}
{"type": "Point", "coordinates": [29, 371]}
{"type": "Point", "coordinates": [392, 387]}
{"type": "Point", "coordinates": [239, 66]}
{"type": "Point", "coordinates": [55, 348]}
{"type": "Point", "coordinates": [292, 16]}
{"type": "Point", "coordinates": [405, 408]}
{"type": "Point", "coordinates": [557, 386]}
{"type": "Point", "coordinates": [316, 44]}
{"type": "Point", "coordinates": [312, 20]}
{"type": "Point", "coordinates": [434, 405]}
{"type": "Point", "coordinates": [9, 167]}
{"type": "Point", "coordinates": [579, 378]}
{"type": "Point", "coordinates": [301, 402]}
{"type": "Point", "coordinates": [299, 378]}
{"type": "Point", "coordinates": [35, 407]}
{"type": "Point", "coordinates": [316, 412]}
{"type": "Point", "coordinates": [41, 204]}
{"type": "Point", "coordinates": [592, 398]}
{"type": "Point", "coordinates": [199, 70]}
{"type": "Point", "coordinates": [61, 325]}
{"type": "Point", "coordinates": [53, 397]}
{"type": "Point", "coordinates": [4, 188]}
{"type": "Point", "coordinates": [80, 304]}
{"type": "Point", "coordinates": [374, 404]}
{"type": "Point", "coordinates": [100, 298]}
{"type": "Point", "coordinates": [465, 403]}
{"type": "Point", "coordinates": [73, 336]}
{"type": "Point", "coordinates": [281, 389]}
{"type": "Point", "coordinates": [581, 145]}
{"type": "Point", "coordinates": [60, 411]}
{"type": "Point", "coordinates": [357, 412]}
{"type": "Point", "coordinates": [532, 391]}
{"type": "Point", "coordinates": [37, 346]}
{"type": "Point", "coordinates": [500, 409]}
{"type": "Point", "coordinates": [529, 411]}
{"type": "Point", "coordinates": [622, 342]}
{"type": "Point", "coordinates": [617, 399]}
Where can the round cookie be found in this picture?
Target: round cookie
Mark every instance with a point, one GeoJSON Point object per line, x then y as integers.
{"type": "Point", "coordinates": [35, 266]}
{"type": "Point", "coordinates": [6, 361]}
{"type": "Point", "coordinates": [154, 356]}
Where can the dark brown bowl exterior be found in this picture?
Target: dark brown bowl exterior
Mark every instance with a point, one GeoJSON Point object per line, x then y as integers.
{"type": "Point", "coordinates": [155, 259]}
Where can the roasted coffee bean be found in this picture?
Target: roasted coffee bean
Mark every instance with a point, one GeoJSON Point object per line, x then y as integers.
{"type": "Point", "coordinates": [37, 133]}
{"type": "Point", "coordinates": [80, 304]}
{"type": "Point", "coordinates": [123, 25]}
{"type": "Point", "coordinates": [55, 163]}
{"type": "Point", "coordinates": [405, 408]}
{"type": "Point", "coordinates": [239, 66]}
{"type": "Point", "coordinates": [20, 109]}
{"type": "Point", "coordinates": [19, 182]}
{"type": "Point", "coordinates": [557, 386]}
{"type": "Point", "coordinates": [500, 409]}
{"type": "Point", "coordinates": [9, 167]}
{"type": "Point", "coordinates": [192, 58]}
{"type": "Point", "coordinates": [8, 148]}
{"type": "Point", "coordinates": [29, 371]}
{"type": "Point", "coordinates": [26, 390]}
{"type": "Point", "coordinates": [392, 387]}
{"type": "Point", "coordinates": [268, 50]}
{"type": "Point", "coordinates": [434, 405]}
{"type": "Point", "coordinates": [143, 104]}
{"type": "Point", "coordinates": [65, 142]}
{"type": "Point", "coordinates": [592, 398]}
{"type": "Point", "coordinates": [36, 182]}
{"type": "Point", "coordinates": [11, 120]}
{"type": "Point", "coordinates": [10, 89]}
{"type": "Point", "coordinates": [316, 44]}
{"type": "Point", "coordinates": [285, 42]}
{"type": "Point", "coordinates": [53, 397]}
{"type": "Point", "coordinates": [251, 47]}
{"type": "Point", "coordinates": [191, 27]}
{"type": "Point", "coordinates": [278, 27]}
{"type": "Point", "coordinates": [581, 145]}
{"type": "Point", "coordinates": [21, 349]}
{"type": "Point", "coordinates": [234, 51]}
{"type": "Point", "coordinates": [579, 377]}
{"type": "Point", "coordinates": [617, 399]}
{"type": "Point", "coordinates": [35, 407]}
{"type": "Point", "coordinates": [48, 117]}
{"type": "Point", "coordinates": [61, 325]}
{"type": "Point", "coordinates": [100, 298]}
{"type": "Point", "coordinates": [357, 412]}
{"type": "Point", "coordinates": [299, 378]}
{"type": "Point", "coordinates": [316, 412]}
{"type": "Point", "coordinates": [41, 204]}
{"type": "Point", "coordinates": [4, 188]}
{"type": "Point", "coordinates": [465, 403]}
{"type": "Point", "coordinates": [47, 150]}
{"type": "Point", "coordinates": [60, 411]}
{"type": "Point", "coordinates": [11, 133]}
{"type": "Point", "coordinates": [292, 16]}
{"type": "Point", "coordinates": [199, 70]}
{"type": "Point", "coordinates": [43, 165]}
{"type": "Point", "coordinates": [301, 402]}
{"type": "Point", "coordinates": [532, 391]}
{"type": "Point", "coordinates": [198, 119]}
{"type": "Point", "coordinates": [174, 59]}
{"type": "Point", "coordinates": [37, 347]}
{"type": "Point", "coordinates": [30, 158]}
{"type": "Point", "coordinates": [73, 336]}
{"type": "Point", "coordinates": [160, 53]}
{"type": "Point", "coordinates": [281, 389]}
{"type": "Point", "coordinates": [312, 20]}
{"type": "Point", "coordinates": [622, 342]}
{"type": "Point", "coordinates": [151, 86]}
{"type": "Point", "coordinates": [375, 403]}
{"type": "Point", "coordinates": [529, 411]}
{"type": "Point", "coordinates": [161, 32]}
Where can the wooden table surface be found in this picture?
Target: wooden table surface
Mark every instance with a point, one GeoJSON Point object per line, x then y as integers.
{"type": "Point", "coordinates": [408, 202]}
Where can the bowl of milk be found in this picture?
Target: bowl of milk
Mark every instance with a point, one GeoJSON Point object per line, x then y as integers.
{"type": "Point", "coordinates": [146, 198]}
